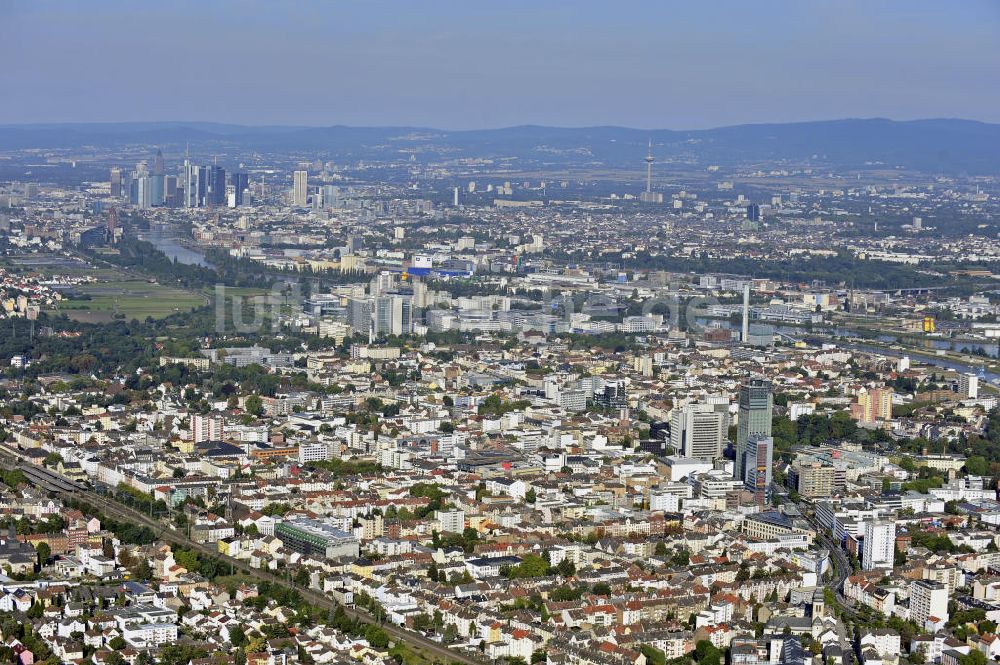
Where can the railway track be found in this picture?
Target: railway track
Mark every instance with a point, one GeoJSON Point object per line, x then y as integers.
{"type": "Point", "coordinates": [51, 481]}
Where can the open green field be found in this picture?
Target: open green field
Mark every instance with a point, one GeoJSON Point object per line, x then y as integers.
{"type": "Point", "coordinates": [136, 299]}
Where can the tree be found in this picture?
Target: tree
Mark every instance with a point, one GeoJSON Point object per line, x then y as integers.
{"type": "Point", "coordinates": [117, 643]}
{"type": "Point", "coordinates": [44, 553]}
{"type": "Point", "coordinates": [35, 611]}
{"type": "Point", "coordinates": [601, 589]}
{"type": "Point", "coordinates": [237, 637]}
{"type": "Point", "coordinates": [377, 637]}
{"type": "Point", "coordinates": [977, 466]}
{"type": "Point", "coordinates": [974, 657]}
{"type": "Point", "coordinates": [566, 568]}
{"type": "Point", "coordinates": [531, 565]}
{"type": "Point", "coordinates": [707, 653]}
{"type": "Point", "coordinates": [653, 655]}
{"type": "Point", "coordinates": [142, 570]}
{"type": "Point", "coordinates": [186, 559]}
{"type": "Point", "coordinates": [255, 405]}
{"type": "Point", "coordinates": [530, 496]}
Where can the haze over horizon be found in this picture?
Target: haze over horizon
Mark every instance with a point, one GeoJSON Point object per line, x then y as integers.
{"type": "Point", "coordinates": [456, 66]}
{"type": "Point", "coordinates": [306, 126]}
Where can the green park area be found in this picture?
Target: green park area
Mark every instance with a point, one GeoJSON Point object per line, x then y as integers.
{"type": "Point", "coordinates": [130, 299]}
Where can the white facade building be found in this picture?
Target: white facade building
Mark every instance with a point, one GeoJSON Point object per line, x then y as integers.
{"type": "Point", "coordinates": [928, 599]}
{"type": "Point", "coordinates": [879, 545]}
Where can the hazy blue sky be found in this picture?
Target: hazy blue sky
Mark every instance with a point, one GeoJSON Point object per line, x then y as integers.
{"type": "Point", "coordinates": [466, 63]}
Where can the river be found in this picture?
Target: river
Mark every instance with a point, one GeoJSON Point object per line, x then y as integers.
{"type": "Point", "coordinates": [167, 240]}
{"type": "Point", "coordinates": [930, 359]}
{"type": "Point", "coordinates": [834, 335]}
{"type": "Point", "coordinates": [990, 348]}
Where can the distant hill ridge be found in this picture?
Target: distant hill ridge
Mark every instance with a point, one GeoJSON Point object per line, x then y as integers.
{"type": "Point", "coordinates": [937, 145]}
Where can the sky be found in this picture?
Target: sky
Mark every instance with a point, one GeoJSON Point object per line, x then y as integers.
{"type": "Point", "coordinates": [467, 64]}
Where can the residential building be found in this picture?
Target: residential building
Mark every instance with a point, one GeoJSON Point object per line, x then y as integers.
{"type": "Point", "coordinates": [879, 547]}
{"type": "Point", "coordinates": [928, 599]}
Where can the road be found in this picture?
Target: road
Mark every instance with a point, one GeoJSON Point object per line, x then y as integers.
{"type": "Point", "coordinates": [841, 569]}
{"type": "Point", "coordinates": [52, 482]}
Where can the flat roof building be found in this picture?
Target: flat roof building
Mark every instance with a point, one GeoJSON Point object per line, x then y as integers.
{"type": "Point", "coordinates": [314, 537]}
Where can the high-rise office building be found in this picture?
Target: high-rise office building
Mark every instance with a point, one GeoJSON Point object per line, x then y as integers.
{"type": "Point", "coordinates": [144, 192]}
{"type": "Point", "coordinates": [879, 546]}
{"type": "Point", "coordinates": [753, 212]}
{"type": "Point", "coordinates": [383, 282]}
{"type": "Point", "coordinates": [171, 192]}
{"type": "Point", "coordinates": [359, 314]}
{"type": "Point", "coordinates": [215, 192]}
{"type": "Point", "coordinates": [756, 402]}
{"type": "Point", "coordinates": [116, 182]}
{"type": "Point", "coordinates": [158, 164]}
{"type": "Point", "coordinates": [758, 461]}
{"type": "Point", "coordinates": [241, 183]}
{"type": "Point", "coordinates": [390, 314]}
{"type": "Point", "coordinates": [202, 186]}
{"type": "Point", "coordinates": [393, 315]}
{"type": "Point", "coordinates": [331, 196]}
{"type": "Point", "coordinates": [300, 188]}
{"type": "Point", "coordinates": [133, 191]}
{"type": "Point", "coordinates": [698, 430]}
{"type": "Point", "coordinates": [156, 188]}
{"type": "Point", "coordinates": [190, 185]}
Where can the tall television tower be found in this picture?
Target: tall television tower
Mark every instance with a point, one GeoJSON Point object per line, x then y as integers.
{"type": "Point", "coordinates": [649, 168]}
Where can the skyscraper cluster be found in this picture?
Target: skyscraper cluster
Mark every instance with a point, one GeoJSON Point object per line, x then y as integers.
{"type": "Point", "coordinates": [194, 187]}
{"type": "Point", "coordinates": [388, 309]}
